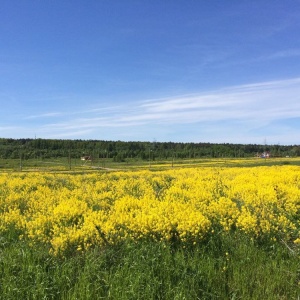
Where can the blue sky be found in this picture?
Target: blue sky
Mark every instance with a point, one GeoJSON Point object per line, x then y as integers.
{"type": "Point", "coordinates": [182, 71]}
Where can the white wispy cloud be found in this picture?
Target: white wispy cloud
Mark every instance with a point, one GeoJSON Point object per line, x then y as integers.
{"type": "Point", "coordinates": [285, 54]}
{"type": "Point", "coordinates": [262, 102]}
{"type": "Point", "coordinates": [251, 107]}
{"type": "Point", "coordinates": [44, 115]}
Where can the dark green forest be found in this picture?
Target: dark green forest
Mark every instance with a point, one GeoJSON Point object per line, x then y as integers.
{"type": "Point", "coordinates": [120, 151]}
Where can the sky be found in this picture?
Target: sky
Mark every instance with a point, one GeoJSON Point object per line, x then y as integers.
{"type": "Point", "coordinates": [173, 70]}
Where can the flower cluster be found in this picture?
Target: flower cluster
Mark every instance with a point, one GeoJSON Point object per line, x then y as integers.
{"type": "Point", "coordinates": [74, 212]}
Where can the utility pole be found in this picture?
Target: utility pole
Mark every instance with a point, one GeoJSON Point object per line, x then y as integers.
{"type": "Point", "coordinates": [69, 158]}
{"type": "Point", "coordinates": [265, 150]}
{"type": "Point", "coordinates": [173, 159]}
{"type": "Point", "coordinates": [21, 159]}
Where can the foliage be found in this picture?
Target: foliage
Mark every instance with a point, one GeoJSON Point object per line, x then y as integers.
{"type": "Point", "coordinates": [227, 267]}
{"type": "Point", "coordinates": [193, 233]}
{"type": "Point", "coordinates": [120, 151]}
{"type": "Point", "coordinates": [71, 213]}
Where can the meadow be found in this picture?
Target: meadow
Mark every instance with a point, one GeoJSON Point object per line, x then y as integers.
{"type": "Point", "coordinates": [200, 229]}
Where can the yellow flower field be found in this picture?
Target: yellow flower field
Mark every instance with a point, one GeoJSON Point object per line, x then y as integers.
{"type": "Point", "coordinates": [73, 212]}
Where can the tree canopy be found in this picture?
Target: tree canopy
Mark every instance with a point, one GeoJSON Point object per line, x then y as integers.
{"type": "Point", "coordinates": [119, 150]}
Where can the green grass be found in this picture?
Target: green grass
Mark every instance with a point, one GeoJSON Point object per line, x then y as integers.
{"type": "Point", "coordinates": [222, 267]}
{"type": "Point", "coordinates": [227, 267]}
{"type": "Point", "coordinates": [63, 164]}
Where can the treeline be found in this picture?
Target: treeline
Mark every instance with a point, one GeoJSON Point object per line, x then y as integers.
{"type": "Point", "coordinates": [121, 151]}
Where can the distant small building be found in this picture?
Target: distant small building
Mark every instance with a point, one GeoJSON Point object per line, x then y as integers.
{"type": "Point", "coordinates": [86, 157]}
{"type": "Point", "coordinates": [265, 154]}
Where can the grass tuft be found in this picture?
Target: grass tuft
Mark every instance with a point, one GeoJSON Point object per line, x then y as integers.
{"type": "Point", "coordinates": [232, 267]}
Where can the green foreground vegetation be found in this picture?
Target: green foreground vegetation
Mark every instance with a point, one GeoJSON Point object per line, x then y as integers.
{"type": "Point", "coordinates": [231, 267]}
{"type": "Point", "coordinates": [224, 266]}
